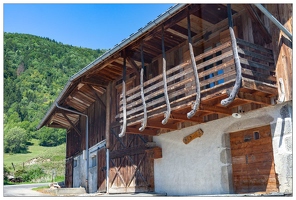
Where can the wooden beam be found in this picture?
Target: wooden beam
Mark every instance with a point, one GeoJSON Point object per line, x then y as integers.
{"type": "Point", "coordinates": [261, 86]}
{"type": "Point", "coordinates": [256, 19]}
{"type": "Point", "coordinates": [134, 65]}
{"type": "Point", "coordinates": [96, 95]}
{"type": "Point", "coordinates": [108, 114]}
{"type": "Point", "coordinates": [128, 151]}
{"type": "Point", "coordinates": [94, 81]}
{"type": "Point", "coordinates": [251, 98]}
{"type": "Point", "coordinates": [54, 125]}
{"type": "Point", "coordinates": [71, 123]}
{"type": "Point", "coordinates": [174, 32]}
{"type": "Point", "coordinates": [183, 117]}
{"type": "Point", "coordinates": [215, 109]}
{"type": "Point", "coordinates": [159, 125]}
{"type": "Point", "coordinates": [144, 132]}
{"type": "Point", "coordinates": [102, 65]}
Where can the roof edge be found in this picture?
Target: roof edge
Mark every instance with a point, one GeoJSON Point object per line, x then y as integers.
{"type": "Point", "coordinates": [107, 54]}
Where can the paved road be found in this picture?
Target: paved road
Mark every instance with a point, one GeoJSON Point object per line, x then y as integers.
{"type": "Point", "coordinates": [23, 190]}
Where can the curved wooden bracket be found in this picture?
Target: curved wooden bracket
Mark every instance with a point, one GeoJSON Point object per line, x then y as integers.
{"type": "Point", "coordinates": [197, 99]}
{"type": "Point", "coordinates": [168, 112]}
{"type": "Point", "coordinates": [123, 130]}
{"type": "Point", "coordinates": [144, 122]}
{"type": "Point", "coordinates": [238, 68]}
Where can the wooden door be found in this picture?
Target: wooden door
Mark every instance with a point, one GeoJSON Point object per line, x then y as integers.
{"type": "Point", "coordinates": [101, 155]}
{"type": "Point", "coordinates": [131, 165]}
{"type": "Point", "coordinates": [252, 161]}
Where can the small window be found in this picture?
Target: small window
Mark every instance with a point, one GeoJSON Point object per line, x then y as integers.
{"type": "Point", "coordinates": [256, 135]}
{"type": "Point", "coordinates": [94, 161]}
{"type": "Point", "coordinates": [75, 163]}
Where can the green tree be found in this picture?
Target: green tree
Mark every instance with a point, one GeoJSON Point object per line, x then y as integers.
{"type": "Point", "coordinates": [50, 137]}
{"type": "Point", "coordinates": [35, 71]}
{"type": "Point", "coordinates": [15, 140]}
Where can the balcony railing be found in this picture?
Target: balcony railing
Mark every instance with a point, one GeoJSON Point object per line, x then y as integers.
{"type": "Point", "coordinates": [216, 71]}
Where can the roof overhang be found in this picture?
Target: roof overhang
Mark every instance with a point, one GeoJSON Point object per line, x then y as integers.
{"type": "Point", "coordinates": [86, 86]}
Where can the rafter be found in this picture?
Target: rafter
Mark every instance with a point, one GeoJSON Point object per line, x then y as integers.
{"type": "Point", "coordinates": [134, 65]}
{"type": "Point", "coordinates": [256, 19]}
{"type": "Point", "coordinates": [96, 95]}
{"type": "Point", "coordinates": [71, 123]}
{"type": "Point", "coordinates": [94, 81]}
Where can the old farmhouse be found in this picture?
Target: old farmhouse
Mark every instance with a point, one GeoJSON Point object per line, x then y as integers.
{"type": "Point", "coordinates": [198, 101]}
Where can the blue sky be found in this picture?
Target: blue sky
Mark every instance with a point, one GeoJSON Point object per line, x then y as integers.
{"type": "Point", "coordinates": [95, 26]}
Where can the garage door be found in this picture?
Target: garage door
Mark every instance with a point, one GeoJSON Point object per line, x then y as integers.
{"type": "Point", "coordinates": [252, 161]}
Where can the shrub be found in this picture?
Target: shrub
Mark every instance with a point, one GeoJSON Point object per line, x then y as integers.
{"type": "Point", "coordinates": [30, 174]}
{"type": "Point", "coordinates": [15, 140]}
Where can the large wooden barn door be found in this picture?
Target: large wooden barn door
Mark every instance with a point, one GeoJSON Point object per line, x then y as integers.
{"type": "Point", "coordinates": [131, 164]}
{"type": "Point", "coordinates": [252, 161]}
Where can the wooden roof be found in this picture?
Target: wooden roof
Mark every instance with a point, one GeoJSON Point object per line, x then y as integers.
{"type": "Point", "coordinates": [90, 83]}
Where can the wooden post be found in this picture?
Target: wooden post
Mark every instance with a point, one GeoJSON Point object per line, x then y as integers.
{"type": "Point", "coordinates": [108, 112]}
{"type": "Point", "coordinates": [144, 122]}
{"type": "Point", "coordinates": [238, 80]}
{"type": "Point", "coordinates": [168, 112]}
{"type": "Point", "coordinates": [108, 122]}
{"type": "Point", "coordinates": [193, 64]}
{"type": "Point", "coordinates": [13, 166]}
{"type": "Point", "coordinates": [123, 97]}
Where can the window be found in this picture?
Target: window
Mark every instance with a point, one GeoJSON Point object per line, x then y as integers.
{"type": "Point", "coordinates": [75, 163]}
{"type": "Point", "coordinates": [93, 161]}
{"type": "Point", "coordinates": [256, 135]}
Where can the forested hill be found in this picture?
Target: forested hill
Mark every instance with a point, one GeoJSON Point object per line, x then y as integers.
{"type": "Point", "coordinates": [35, 71]}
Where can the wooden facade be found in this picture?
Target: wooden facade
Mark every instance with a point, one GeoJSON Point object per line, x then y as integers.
{"type": "Point", "coordinates": [110, 93]}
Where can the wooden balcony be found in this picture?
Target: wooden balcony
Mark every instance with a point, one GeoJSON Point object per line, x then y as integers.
{"type": "Point", "coordinates": [217, 75]}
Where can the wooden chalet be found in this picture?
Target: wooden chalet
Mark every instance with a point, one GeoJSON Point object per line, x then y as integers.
{"type": "Point", "coordinates": [192, 103]}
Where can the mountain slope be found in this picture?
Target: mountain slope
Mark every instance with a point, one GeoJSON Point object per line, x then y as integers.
{"type": "Point", "coordinates": [35, 71]}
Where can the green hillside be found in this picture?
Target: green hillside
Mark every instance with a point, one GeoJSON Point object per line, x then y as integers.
{"type": "Point", "coordinates": [49, 159]}
{"type": "Point", "coordinates": [35, 71]}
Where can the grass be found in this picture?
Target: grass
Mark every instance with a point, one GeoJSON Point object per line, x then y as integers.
{"type": "Point", "coordinates": [50, 159]}
{"type": "Point", "coordinates": [40, 188]}
{"type": "Point", "coordinates": [35, 151]}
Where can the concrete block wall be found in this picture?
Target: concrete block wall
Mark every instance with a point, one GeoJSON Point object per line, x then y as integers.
{"type": "Point", "coordinates": [282, 130]}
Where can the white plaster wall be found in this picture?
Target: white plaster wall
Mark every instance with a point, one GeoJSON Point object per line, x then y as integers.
{"type": "Point", "coordinates": [204, 165]}
{"type": "Point", "coordinates": [93, 171]}
{"type": "Point", "coordinates": [79, 172]}
{"type": "Point", "coordinates": [92, 179]}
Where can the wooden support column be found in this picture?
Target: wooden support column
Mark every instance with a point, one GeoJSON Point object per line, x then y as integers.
{"type": "Point", "coordinates": [168, 112]}
{"type": "Point", "coordinates": [144, 122]}
{"type": "Point", "coordinates": [193, 64]}
{"type": "Point", "coordinates": [108, 113]}
{"type": "Point", "coordinates": [238, 79]}
{"type": "Point", "coordinates": [123, 97]}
